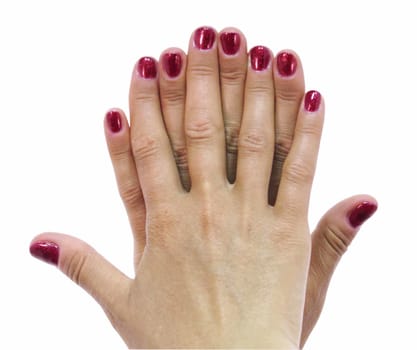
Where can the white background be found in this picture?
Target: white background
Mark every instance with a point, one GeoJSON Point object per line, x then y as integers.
{"type": "Point", "coordinates": [63, 64]}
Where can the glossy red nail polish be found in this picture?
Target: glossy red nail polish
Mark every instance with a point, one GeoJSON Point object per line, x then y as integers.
{"type": "Point", "coordinates": [286, 64]}
{"type": "Point", "coordinates": [361, 213]}
{"type": "Point", "coordinates": [172, 64]}
{"type": "Point", "coordinates": [45, 251]}
{"type": "Point", "coordinates": [147, 67]}
{"type": "Point", "coordinates": [230, 42]}
{"type": "Point", "coordinates": [114, 121]}
{"type": "Point", "coordinates": [204, 38]}
{"type": "Point", "coordinates": [259, 58]}
{"type": "Point", "coordinates": [312, 101]}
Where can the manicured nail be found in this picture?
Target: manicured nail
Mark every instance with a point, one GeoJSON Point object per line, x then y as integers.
{"type": "Point", "coordinates": [114, 121]}
{"type": "Point", "coordinates": [45, 251]}
{"type": "Point", "coordinates": [259, 58]}
{"type": "Point", "coordinates": [147, 67]}
{"type": "Point", "coordinates": [172, 64]}
{"type": "Point", "coordinates": [204, 38]}
{"type": "Point", "coordinates": [230, 42]}
{"type": "Point", "coordinates": [286, 64]}
{"type": "Point", "coordinates": [312, 101]}
{"type": "Point", "coordinates": [361, 213]}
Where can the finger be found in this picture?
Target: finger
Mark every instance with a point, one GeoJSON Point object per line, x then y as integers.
{"type": "Point", "coordinates": [83, 265]}
{"type": "Point", "coordinates": [289, 91]}
{"type": "Point", "coordinates": [117, 134]}
{"type": "Point", "coordinates": [172, 67]}
{"type": "Point", "coordinates": [204, 127]}
{"type": "Point", "coordinates": [233, 60]}
{"type": "Point", "coordinates": [299, 167]}
{"type": "Point", "coordinates": [256, 139]}
{"type": "Point", "coordinates": [330, 240]}
{"type": "Point", "coordinates": [151, 149]}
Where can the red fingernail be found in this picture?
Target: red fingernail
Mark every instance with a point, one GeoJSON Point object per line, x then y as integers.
{"type": "Point", "coordinates": [172, 64]}
{"type": "Point", "coordinates": [204, 38]}
{"type": "Point", "coordinates": [361, 213]}
{"type": "Point", "coordinates": [114, 121]}
{"type": "Point", "coordinates": [230, 42]}
{"type": "Point", "coordinates": [259, 58]}
{"type": "Point", "coordinates": [147, 67]}
{"type": "Point", "coordinates": [45, 251]}
{"type": "Point", "coordinates": [312, 101]}
{"type": "Point", "coordinates": [286, 64]}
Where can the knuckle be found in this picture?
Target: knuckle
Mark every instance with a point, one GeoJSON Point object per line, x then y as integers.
{"type": "Point", "coordinates": [143, 96]}
{"type": "Point", "coordinates": [336, 240]}
{"type": "Point", "coordinates": [232, 77]}
{"type": "Point", "coordinates": [200, 130]}
{"type": "Point", "coordinates": [145, 147]}
{"type": "Point", "coordinates": [120, 153]}
{"type": "Point", "coordinates": [74, 267]}
{"type": "Point", "coordinates": [131, 194]}
{"type": "Point", "coordinates": [202, 70]}
{"type": "Point", "coordinates": [298, 172]}
{"type": "Point", "coordinates": [253, 141]}
{"type": "Point", "coordinates": [259, 88]}
{"type": "Point", "coordinates": [289, 96]}
{"type": "Point", "coordinates": [311, 129]}
{"type": "Point", "coordinates": [173, 96]}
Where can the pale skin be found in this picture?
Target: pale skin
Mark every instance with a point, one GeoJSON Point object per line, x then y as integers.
{"type": "Point", "coordinates": [223, 258]}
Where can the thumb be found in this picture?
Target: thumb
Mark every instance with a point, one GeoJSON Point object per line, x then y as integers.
{"type": "Point", "coordinates": [330, 240]}
{"type": "Point", "coordinates": [82, 264]}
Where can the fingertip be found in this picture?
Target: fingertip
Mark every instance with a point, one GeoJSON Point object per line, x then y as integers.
{"type": "Point", "coordinates": [117, 132]}
{"type": "Point", "coordinates": [286, 64]}
{"type": "Point", "coordinates": [361, 211]}
{"type": "Point", "coordinates": [114, 121]}
{"type": "Point", "coordinates": [146, 68]}
{"type": "Point", "coordinates": [45, 250]}
{"type": "Point", "coordinates": [172, 63]}
{"type": "Point", "coordinates": [349, 214]}
{"type": "Point", "coordinates": [232, 42]}
{"type": "Point", "coordinates": [53, 248]}
{"type": "Point", "coordinates": [288, 78]}
{"type": "Point", "coordinates": [260, 59]}
{"type": "Point", "coordinates": [203, 38]}
{"type": "Point", "coordinates": [313, 101]}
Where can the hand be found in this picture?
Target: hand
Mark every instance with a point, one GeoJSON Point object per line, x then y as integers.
{"type": "Point", "coordinates": [210, 231]}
